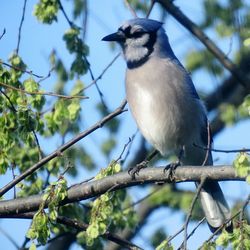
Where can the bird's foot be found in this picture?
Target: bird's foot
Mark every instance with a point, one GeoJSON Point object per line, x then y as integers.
{"type": "Point", "coordinates": [170, 169]}
{"type": "Point", "coordinates": [136, 169]}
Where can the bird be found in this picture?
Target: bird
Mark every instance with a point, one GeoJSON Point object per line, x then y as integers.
{"type": "Point", "coordinates": [166, 106]}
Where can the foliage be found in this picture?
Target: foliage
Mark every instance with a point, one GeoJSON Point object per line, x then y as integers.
{"type": "Point", "coordinates": [40, 227]}
{"type": "Point", "coordinates": [242, 166]}
{"type": "Point", "coordinates": [75, 45]}
{"type": "Point", "coordinates": [46, 11]}
{"type": "Point", "coordinates": [222, 17]}
{"type": "Point", "coordinates": [164, 246]}
{"type": "Point", "coordinates": [107, 212]}
{"type": "Point", "coordinates": [142, 6]}
{"type": "Point", "coordinates": [239, 239]}
{"type": "Point", "coordinates": [230, 114]}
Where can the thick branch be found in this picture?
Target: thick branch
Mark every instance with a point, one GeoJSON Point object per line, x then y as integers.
{"type": "Point", "coordinates": [121, 180]}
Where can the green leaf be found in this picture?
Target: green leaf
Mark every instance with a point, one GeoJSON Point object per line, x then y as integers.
{"type": "Point", "coordinates": [30, 85]}
{"type": "Point", "coordinates": [223, 239]}
{"type": "Point", "coordinates": [164, 246]}
{"type": "Point", "coordinates": [74, 109]}
{"type": "Point", "coordinates": [31, 234]}
{"type": "Point", "coordinates": [242, 164]}
{"type": "Point", "coordinates": [53, 214]}
{"type": "Point", "coordinates": [71, 39]}
{"type": "Point", "coordinates": [248, 179]}
{"type": "Point", "coordinates": [78, 88]}
{"type": "Point", "coordinates": [46, 11]}
{"type": "Point", "coordinates": [108, 145]}
{"type": "Point", "coordinates": [81, 237]}
{"type": "Point", "coordinates": [208, 246]}
{"type": "Point", "coordinates": [32, 246]}
{"type": "Point", "coordinates": [244, 108]}
{"type": "Point", "coordinates": [224, 30]}
{"type": "Point", "coordinates": [92, 231]}
{"type": "Point", "coordinates": [228, 113]}
{"type": "Point", "coordinates": [247, 42]}
{"type": "Point", "coordinates": [79, 66]}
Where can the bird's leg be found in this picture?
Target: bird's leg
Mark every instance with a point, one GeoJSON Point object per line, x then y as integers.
{"type": "Point", "coordinates": [136, 169]}
{"type": "Point", "coordinates": [173, 165]}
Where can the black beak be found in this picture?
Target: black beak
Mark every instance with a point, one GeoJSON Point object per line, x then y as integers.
{"type": "Point", "coordinates": [114, 37]}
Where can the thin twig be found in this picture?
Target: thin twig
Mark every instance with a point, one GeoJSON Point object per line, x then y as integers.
{"type": "Point", "coordinates": [4, 31]}
{"type": "Point", "coordinates": [71, 24]}
{"type": "Point", "coordinates": [129, 147]}
{"type": "Point", "coordinates": [132, 11]}
{"type": "Point", "coordinates": [241, 221]}
{"type": "Point", "coordinates": [176, 234]}
{"type": "Point", "coordinates": [184, 244]}
{"type": "Point", "coordinates": [150, 8]}
{"type": "Point", "coordinates": [182, 228]}
{"type": "Point", "coordinates": [42, 92]}
{"type": "Point", "coordinates": [195, 228]}
{"type": "Point", "coordinates": [123, 150]}
{"type": "Point", "coordinates": [61, 149]}
{"type": "Point", "coordinates": [85, 19]}
{"type": "Point", "coordinates": [10, 102]}
{"type": "Point", "coordinates": [19, 69]}
{"type": "Point", "coordinates": [85, 58]}
{"type": "Point", "coordinates": [38, 145]}
{"type": "Point", "coordinates": [145, 197]}
{"type": "Point", "coordinates": [48, 75]}
{"type": "Point", "coordinates": [97, 87]}
{"type": "Point", "coordinates": [224, 150]}
{"type": "Point", "coordinates": [103, 72]}
{"type": "Point", "coordinates": [20, 27]}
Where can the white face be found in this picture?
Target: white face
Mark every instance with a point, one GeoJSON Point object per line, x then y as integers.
{"type": "Point", "coordinates": [136, 36]}
{"type": "Point", "coordinates": [136, 45]}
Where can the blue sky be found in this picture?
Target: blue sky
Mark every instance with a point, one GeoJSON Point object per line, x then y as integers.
{"type": "Point", "coordinates": [104, 17]}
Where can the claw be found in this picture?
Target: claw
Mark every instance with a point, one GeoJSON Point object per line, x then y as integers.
{"type": "Point", "coordinates": [171, 168]}
{"type": "Point", "coordinates": [136, 169]}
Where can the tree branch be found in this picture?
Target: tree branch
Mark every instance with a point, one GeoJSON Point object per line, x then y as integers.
{"type": "Point", "coordinates": [83, 226]}
{"type": "Point", "coordinates": [211, 46]}
{"type": "Point", "coordinates": [3, 33]}
{"type": "Point", "coordinates": [30, 72]}
{"type": "Point", "coordinates": [42, 92]}
{"type": "Point", "coordinates": [121, 180]}
{"type": "Point", "coordinates": [61, 149]}
{"type": "Point", "coordinates": [184, 244]}
{"type": "Point", "coordinates": [20, 27]}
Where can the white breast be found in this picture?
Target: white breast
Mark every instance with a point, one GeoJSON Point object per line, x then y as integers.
{"type": "Point", "coordinates": [160, 105]}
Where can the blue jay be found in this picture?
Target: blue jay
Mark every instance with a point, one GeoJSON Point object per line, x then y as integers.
{"type": "Point", "coordinates": [166, 106]}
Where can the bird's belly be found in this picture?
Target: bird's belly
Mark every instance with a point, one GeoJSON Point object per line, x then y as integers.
{"type": "Point", "coordinates": [157, 119]}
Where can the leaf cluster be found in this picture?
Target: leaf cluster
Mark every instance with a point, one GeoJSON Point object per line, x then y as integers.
{"type": "Point", "coordinates": [42, 221]}
{"type": "Point", "coordinates": [107, 212]}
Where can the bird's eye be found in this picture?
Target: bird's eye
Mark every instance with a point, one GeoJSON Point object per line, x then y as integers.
{"type": "Point", "coordinates": [138, 33]}
{"type": "Point", "coordinates": [125, 30]}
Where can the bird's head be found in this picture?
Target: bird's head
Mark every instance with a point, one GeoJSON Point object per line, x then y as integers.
{"type": "Point", "coordinates": [137, 38]}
